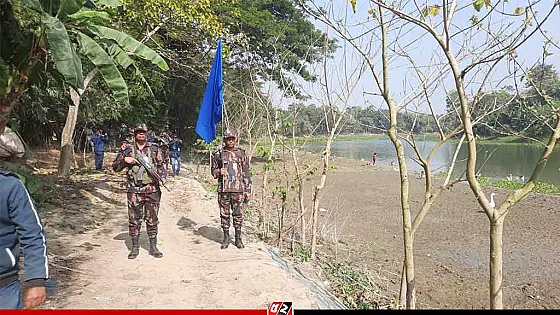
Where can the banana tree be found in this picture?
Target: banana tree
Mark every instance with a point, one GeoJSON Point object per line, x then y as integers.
{"type": "Point", "coordinates": [105, 47]}
{"type": "Point", "coordinates": [67, 31]}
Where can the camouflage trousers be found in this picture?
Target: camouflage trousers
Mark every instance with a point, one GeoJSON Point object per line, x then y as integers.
{"type": "Point", "coordinates": [143, 205]}
{"type": "Point", "coordinates": [231, 204]}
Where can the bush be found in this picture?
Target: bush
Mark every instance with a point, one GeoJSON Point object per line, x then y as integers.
{"type": "Point", "coordinates": [301, 254]}
{"type": "Point", "coordinates": [40, 191]}
{"type": "Point", "coordinates": [355, 288]}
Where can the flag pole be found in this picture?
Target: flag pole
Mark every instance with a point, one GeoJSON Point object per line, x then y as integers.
{"type": "Point", "coordinates": [211, 108]}
{"type": "Point", "coordinates": [224, 112]}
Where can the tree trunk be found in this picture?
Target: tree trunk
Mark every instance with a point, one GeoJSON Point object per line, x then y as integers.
{"type": "Point", "coordinates": [496, 261]}
{"type": "Point", "coordinates": [405, 205]}
{"type": "Point", "coordinates": [67, 143]}
{"type": "Point", "coordinates": [402, 292]}
{"type": "Point", "coordinates": [302, 214]}
{"type": "Point", "coordinates": [315, 213]}
{"type": "Point", "coordinates": [264, 204]}
{"type": "Point", "coordinates": [406, 219]}
{"type": "Point", "coordinates": [263, 227]}
{"type": "Point", "coordinates": [301, 204]}
{"type": "Point", "coordinates": [281, 225]}
{"type": "Point", "coordinates": [263, 224]}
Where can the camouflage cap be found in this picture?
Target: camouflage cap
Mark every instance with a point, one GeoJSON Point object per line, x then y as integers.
{"type": "Point", "coordinates": [141, 127]}
{"type": "Point", "coordinates": [230, 133]}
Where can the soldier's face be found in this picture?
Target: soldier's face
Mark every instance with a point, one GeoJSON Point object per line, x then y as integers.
{"type": "Point", "coordinates": [140, 136]}
{"type": "Point", "coordinates": [230, 142]}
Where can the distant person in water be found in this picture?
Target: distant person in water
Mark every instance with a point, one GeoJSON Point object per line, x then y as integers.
{"type": "Point", "coordinates": [373, 159]}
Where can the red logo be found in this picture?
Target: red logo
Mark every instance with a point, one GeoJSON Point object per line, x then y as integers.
{"type": "Point", "coordinates": [280, 308]}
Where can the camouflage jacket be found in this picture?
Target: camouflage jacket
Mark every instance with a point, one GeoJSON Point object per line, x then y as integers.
{"type": "Point", "coordinates": [137, 178]}
{"type": "Point", "coordinates": [238, 178]}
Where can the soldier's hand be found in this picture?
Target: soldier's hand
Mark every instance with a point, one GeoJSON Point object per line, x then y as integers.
{"type": "Point", "coordinates": [34, 296]}
{"type": "Point", "coordinates": [247, 195]}
{"type": "Point", "coordinates": [223, 171]}
{"type": "Point", "coordinates": [130, 160]}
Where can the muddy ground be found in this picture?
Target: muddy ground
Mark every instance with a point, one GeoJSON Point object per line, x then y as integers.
{"type": "Point", "coordinates": [363, 218]}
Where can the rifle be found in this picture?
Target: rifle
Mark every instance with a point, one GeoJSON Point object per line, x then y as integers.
{"type": "Point", "coordinates": [150, 169]}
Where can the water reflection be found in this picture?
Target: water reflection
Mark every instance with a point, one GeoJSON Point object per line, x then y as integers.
{"type": "Point", "coordinates": [494, 160]}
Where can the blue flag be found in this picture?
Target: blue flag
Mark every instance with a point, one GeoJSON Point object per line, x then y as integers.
{"type": "Point", "coordinates": [211, 108]}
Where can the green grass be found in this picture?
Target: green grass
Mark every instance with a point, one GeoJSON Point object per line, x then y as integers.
{"type": "Point", "coordinates": [315, 139]}
{"type": "Point", "coordinates": [432, 137]}
{"type": "Point", "coordinates": [354, 288]}
{"type": "Point", "coordinates": [508, 140]}
{"type": "Point", "coordinates": [301, 254]}
{"type": "Point", "coordinates": [355, 137]}
{"type": "Point", "coordinates": [540, 188]}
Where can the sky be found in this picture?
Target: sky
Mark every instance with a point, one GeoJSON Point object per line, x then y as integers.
{"type": "Point", "coordinates": [425, 54]}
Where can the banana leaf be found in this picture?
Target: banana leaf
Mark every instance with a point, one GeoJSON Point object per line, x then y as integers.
{"type": "Point", "coordinates": [87, 17]}
{"type": "Point", "coordinates": [130, 44]}
{"type": "Point", "coordinates": [66, 60]}
{"type": "Point", "coordinates": [112, 76]}
{"type": "Point", "coordinates": [68, 7]}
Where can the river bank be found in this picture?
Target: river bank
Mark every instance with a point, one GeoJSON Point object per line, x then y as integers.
{"type": "Point", "coordinates": [433, 137]}
{"type": "Point", "coordinates": [361, 227]}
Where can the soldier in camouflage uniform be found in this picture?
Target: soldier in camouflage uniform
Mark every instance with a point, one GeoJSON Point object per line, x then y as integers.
{"type": "Point", "coordinates": [143, 192]}
{"type": "Point", "coordinates": [230, 166]}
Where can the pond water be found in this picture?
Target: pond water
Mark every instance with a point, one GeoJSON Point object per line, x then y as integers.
{"type": "Point", "coordinates": [494, 160]}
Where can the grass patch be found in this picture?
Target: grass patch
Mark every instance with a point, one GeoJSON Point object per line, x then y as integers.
{"type": "Point", "coordinates": [301, 254]}
{"type": "Point", "coordinates": [355, 288]}
{"type": "Point", "coordinates": [540, 188]}
{"type": "Point", "coordinates": [507, 140]}
{"type": "Point", "coordinates": [433, 137]}
{"type": "Point", "coordinates": [353, 137]}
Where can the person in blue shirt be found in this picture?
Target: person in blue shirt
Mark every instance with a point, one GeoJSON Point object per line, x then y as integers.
{"type": "Point", "coordinates": [98, 140]}
{"type": "Point", "coordinates": [20, 228]}
{"type": "Point", "coordinates": [175, 146]}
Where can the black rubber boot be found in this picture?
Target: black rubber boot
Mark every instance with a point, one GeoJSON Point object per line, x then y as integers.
{"type": "Point", "coordinates": [238, 241]}
{"type": "Point", "coordinates": [154, 251]}
{"type": "Point", "coordinates": [225, 241]}
{"type": "Point", "coordinates": [135, 250]}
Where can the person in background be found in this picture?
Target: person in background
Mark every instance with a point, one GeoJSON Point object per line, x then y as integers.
{"type": "Point", "coordinates": [123, 132]}
{"type": "Point", "coordinates": [175, 146]}
{"type": "Point", "coordinates": [99, 139]}
{"type": "Point", "coordinates": [373, 159]}
{"type": "Point", "coordinates": [89, 134]}
{"type": "Point", "coordinates": [163, 143]}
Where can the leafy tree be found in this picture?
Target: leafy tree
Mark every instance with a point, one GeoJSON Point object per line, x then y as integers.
{"type": "Point", "coordinates": [540, 101]}
{"type": "Point", "coordinates": [273, 35]}
{"type": "Point", "coordinates": [66, 29]}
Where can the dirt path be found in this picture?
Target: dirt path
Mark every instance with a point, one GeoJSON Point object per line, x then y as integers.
{"type": "Point", "coordinates": [194, 273]}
